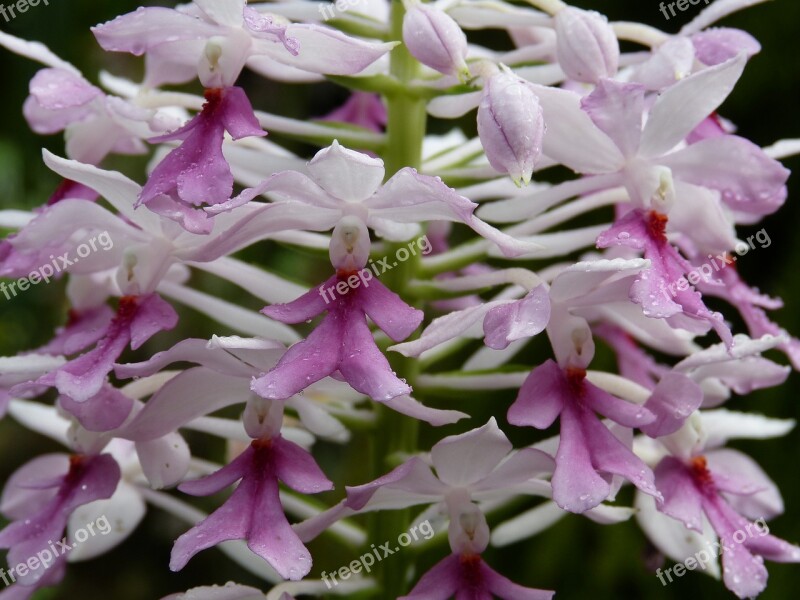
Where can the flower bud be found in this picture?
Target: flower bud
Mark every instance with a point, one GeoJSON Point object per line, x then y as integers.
{"type": "Point", "coordinates": [435, 40]}
{"type": "Point", "coordinates": [586, 46]}
{"type": "Point", "coordinates": [511, 126]}
{"type": "Point", "coordinates": [350, 245]}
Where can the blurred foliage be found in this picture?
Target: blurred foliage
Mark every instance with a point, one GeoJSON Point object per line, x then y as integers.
{"type": "Point", "coordinates": [576, 557]}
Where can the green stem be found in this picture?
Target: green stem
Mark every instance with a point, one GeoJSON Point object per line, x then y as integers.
{"type": "Point", "coordinates": [397, 434]}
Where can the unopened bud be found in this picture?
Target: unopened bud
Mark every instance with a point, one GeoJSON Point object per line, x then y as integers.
{"type": "Point", "coordinates": [586, 46]}
{"type": "Point", "coordinates": [511, 126]}
{"type": "Point", "coordinates": [435, 39]}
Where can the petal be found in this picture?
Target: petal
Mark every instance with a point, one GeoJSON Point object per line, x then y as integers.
{"type": "Point", "coordinates": [409, 484]}
{"type": "Point", "coordinates": [508, 590]}
{"type": "Point", "coordinates": [298, 469]}
{"type": "Point", "coordinates": [346, 174]}
{"type": "Point", "coordinates": [389, 312]}
{"type": "Point", "coordinates": [517, 320]}
{"type": "Point", "coordinates": [224, 477]}
{"type": "Point", "coordinates": [572, 138]}
{"type": "Point", "coordinates": [325, 50]}
{"type": "Point", "coordinates": [230, 13]}
{"type": "Point", "coordinates": [715, 46]}
{"type": "Point", "coordinates": [748, 179]}
{"type": "Point", "coordinates": [682, 501]}
{"type": "Point", "coordinates": [305, 362]}
{"type": "Point", "coordinates": [612, 455]}
{"type": "Point", "coordinates": [683, 106]}
{"type": "Point", "coordinates": [462, 460]}
{"type": "Point", "coordinates": [751, 491]}
{"type": "Point", "coordinates": [364, 366]}
{"type": "Point", "coordinates": [617, 108]}
{"type": "Point", "coordinates": [672, 401]}
{"type": "Point", "coordinates": [577, 486]}
{"type": "Point", "coordinates": [462, 323]}
{"type": "Point", "coordinates": [620, 411]}
{"type": "Point", "coordinates": [168, 409]}
{"type": "Point", "coordinates": [306, 307]}
{"type": "Point", "coordinates": [520, 467]}
{"type": "Point", "coordinates": [541, 398]}
{"type": "Point", "coordinates": [406, 405]}
{"type": "Point", "coordinates": [146, 28]}
{"type": "Point", "coordinates": [439, 583]}
{"type": "Point", "coordinates": [104, 411]}
{"type": "Point", "coordinates": [152, 316]}
{"type": "Point", "coordinates": [24, 494]}
{"type": "Point", "coordinates": [672, 538]}
{"type": "Point", "coordinates": [118, 516]}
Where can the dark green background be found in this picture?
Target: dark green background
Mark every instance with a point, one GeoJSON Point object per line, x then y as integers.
{"type": "Point", "coordinates": [577, 558]}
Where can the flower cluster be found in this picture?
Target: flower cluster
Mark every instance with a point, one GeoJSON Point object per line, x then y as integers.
{"type": "Point", "coordinates": [654, 163]}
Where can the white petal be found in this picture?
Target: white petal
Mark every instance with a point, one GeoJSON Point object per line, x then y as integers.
{"type": "Point", "coordinates": [349, 175]}
{"type": "Point", "coordinates": [121, 192]}
{"type": "Point", "coordinates": [464, 459]}
{"type": "Point", "coordinates": [571, 136]}
{"type": "Point", "coordinates": [683, 106]}
{"type": "Point", "coordinates": [41, 419]}
{"type": "Point", "coordinates": [113, 520]}
{"type": "Point", "coordinates": [318, 420]}
{"type": "Point", "coordinates": [231, 315]}
{"type": "Point", "coordinates": [35, 51]}
{"type": "Point", "coordinates": [224, 12]}
{"type": "Point", "coordinates": [527, 524]}
{"type": "Point", "coordinates": [722, 425]}
{"type": "Point", "coordinates": [672, 538]}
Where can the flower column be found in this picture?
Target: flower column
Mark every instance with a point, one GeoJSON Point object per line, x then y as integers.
{"type": "Point", "coordinates": [405, 133]}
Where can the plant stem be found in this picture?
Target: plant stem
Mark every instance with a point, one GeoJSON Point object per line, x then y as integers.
{"type": "Point", "coordinates": [398, 433]}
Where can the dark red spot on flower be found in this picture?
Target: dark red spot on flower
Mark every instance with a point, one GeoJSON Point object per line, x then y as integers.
{"type": "Point", "coordinates": [657, 226]}
{"type": "Point", "coordinates": [700, 472]}
{"type": "Point", "coordinates": [471, 576]}
{"type": "Point", "coordinates": [128, 305]}
{"type": "Point", "coordinates": [576, 379]}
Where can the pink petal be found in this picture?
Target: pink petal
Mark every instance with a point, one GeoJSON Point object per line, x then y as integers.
{"type": "Point", "coordinates": [541, 398]}
{"type": "Point", "coordinates": [517, 320]}
{"type": "Point", "coordinates": [577, 486]}
{"type": "Point", "coordinates": [673, 400]}
{"type": "Point", "coordinates": [364, 366]}
{"type": "Point", "coordinates": [396, 318]}
{"type": "Point", "coordinates": [749, 180]}
{"type": "Point", "coordinates": [298, 469]}
{"type": "Point", "coordinates": [682, 501]}
{"type": "Point", "coordinates": [306, 307]}
{"type": "Point", "coordinates": [306, 362]}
